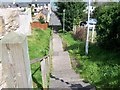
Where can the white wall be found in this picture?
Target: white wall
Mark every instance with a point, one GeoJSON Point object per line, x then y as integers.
{"type": "Point", "coordinates": [24, 20]}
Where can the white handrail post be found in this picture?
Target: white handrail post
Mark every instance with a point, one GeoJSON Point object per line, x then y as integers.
{"type": "Point", "coordinates": [87, 39]}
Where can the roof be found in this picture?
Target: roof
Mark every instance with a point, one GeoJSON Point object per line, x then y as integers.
{"type": "Point", "coordinates": [45, 11]}
{"type": "Point", "coordinates": [24, 4]}
{"type": "Point", "coordinates": [54, 20]}
{"type": "Point", "coordinates": [41, 1]}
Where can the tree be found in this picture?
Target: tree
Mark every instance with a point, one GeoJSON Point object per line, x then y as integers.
{"type": "Point", "coordinates": [108, 26]}
{"type": "Point", "coordinates": [73, 13]}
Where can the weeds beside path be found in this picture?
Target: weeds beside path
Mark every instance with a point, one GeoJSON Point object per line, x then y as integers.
{"type": "Point", "coordinates": [101, 68]}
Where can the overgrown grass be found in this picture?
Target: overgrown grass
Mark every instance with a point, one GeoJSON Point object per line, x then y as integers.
{"type": "Point", "coordinates": [101, 67]}
{"type": "Point", "coordinates": [38, 45]}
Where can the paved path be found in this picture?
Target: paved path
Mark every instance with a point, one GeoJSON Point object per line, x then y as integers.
{"type": "Point", "coordinates": [63, 76]}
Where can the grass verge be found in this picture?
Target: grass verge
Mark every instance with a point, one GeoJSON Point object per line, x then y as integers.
{"type": "Point", "coordinates": [38, 45]}
{"type": "Point", "coordinates": [101, 68]}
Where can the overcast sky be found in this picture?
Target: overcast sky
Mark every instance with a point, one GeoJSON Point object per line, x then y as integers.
{"type": "Point", "coordinates": [47, 0]}
{"type": "Point", "coordinates": [24, 0]}
{"type": "Point", "coordinates": [16, 0]}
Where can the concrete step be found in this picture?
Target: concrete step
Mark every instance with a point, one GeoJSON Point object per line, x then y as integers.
{"type": "Point", "coordinates": [57, 84]}
{"type": "Point", "coordinates": [75, 85]}
{"type": "Point", "coordinates": [61, 53]}
{"type": "Point", "coordinates": [66, 74]}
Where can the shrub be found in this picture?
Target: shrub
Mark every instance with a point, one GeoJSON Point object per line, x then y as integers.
{"type": "Point", "coordinates": [32, 14]}
{"type": "Point", "coordinates": [41, 20]}
{"type": "Point", "coordinates": [108, 26]}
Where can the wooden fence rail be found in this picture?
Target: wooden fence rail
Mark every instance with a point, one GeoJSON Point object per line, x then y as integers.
{"type": "Point", "coordinates": [45, 65]}
{"type": "Point", "coordinates": [38, 59]}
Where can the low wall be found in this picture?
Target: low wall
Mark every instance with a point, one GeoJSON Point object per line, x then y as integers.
{"type": "Point", "coordinates": [39, 25]}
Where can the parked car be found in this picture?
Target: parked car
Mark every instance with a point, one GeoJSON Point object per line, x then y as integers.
{"type": "Point", "coordinates": [83, 23]}
{"type": "Point", "coordinates": [92, 21]}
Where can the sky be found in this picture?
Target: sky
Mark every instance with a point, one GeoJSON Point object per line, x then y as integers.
{"type": "Point", "coordinates": [23, 0]}
{"type": "Point", "coordinates": [15, 0]}
{"type": "Point", "coordinates": [46, 0]}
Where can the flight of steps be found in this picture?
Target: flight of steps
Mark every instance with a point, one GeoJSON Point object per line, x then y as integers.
{"type": "Point", "coordinates": [63, 76]}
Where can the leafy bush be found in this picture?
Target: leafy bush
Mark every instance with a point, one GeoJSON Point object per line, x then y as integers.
{"type": "Point", "coordinates": [41, 20]}
{"type": "Point", "coordinates": [32, 14]}
{"type": "Point", "coordinates": [108, 26]}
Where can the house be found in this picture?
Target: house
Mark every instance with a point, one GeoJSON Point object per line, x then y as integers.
{"type": "Point", "coordinates": [54, 19]}
{"type": "Point", "coordinates": [42, 11]}
{"type": "Point", "coordinates": [39, 4]}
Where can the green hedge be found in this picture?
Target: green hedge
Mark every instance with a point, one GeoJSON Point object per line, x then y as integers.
{"type": "Point", "coordinates": [108, 26]}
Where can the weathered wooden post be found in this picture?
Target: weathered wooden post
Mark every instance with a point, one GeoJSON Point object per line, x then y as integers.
{"type": "Point", "coordinates": [48, 65]}
{"type": "Point", "coordinates": [43, 72]}
{"type": "Point", "coordinates": [2, 30]}
{"type": "Point", "coordinates": [15, 61]}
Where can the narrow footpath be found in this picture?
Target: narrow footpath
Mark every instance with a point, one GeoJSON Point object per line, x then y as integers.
{"type": "Point", "coordinates": [63, 76]}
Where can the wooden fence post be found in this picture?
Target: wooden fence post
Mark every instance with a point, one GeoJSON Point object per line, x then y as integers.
{"type": "Point", "coordinates": [48, 62]}
{"type": "Point", "coordinates": [43, 72]}
{"type": "Point", "coordinates": [15, 61]}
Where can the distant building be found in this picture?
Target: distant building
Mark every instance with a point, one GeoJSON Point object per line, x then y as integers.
{"type": "Point", "coordinates": [42, 9]}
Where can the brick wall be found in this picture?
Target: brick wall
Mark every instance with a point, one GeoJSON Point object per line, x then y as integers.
{"type": "Point", "coordinates": [39, 25]}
